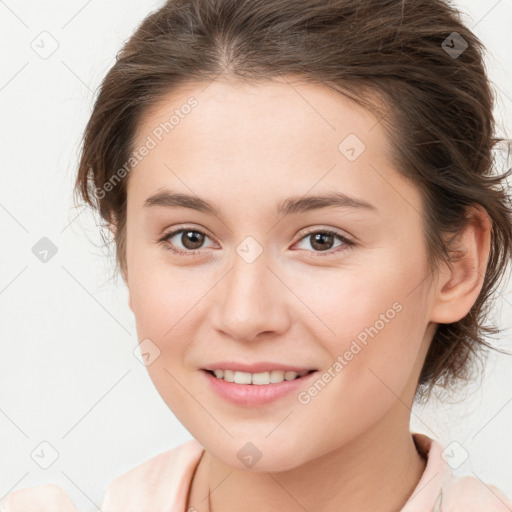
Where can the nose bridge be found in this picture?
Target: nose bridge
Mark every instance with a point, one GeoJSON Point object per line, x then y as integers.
{"type": "Point", "coordinates": [249, 301]}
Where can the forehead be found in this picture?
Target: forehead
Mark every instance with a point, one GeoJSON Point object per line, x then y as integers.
{"type": "Point", "coordinates": [280, 137]}
{"type": "Point", "coordinates": [282, 110]}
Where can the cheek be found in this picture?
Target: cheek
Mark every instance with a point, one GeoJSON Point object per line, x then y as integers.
{"type": "Point", "coordinates": [371, 365]}
{"type": "Point", "coordinates": [376, 323]}
{"type": "Point", "coordinates": [163, 295]}
{"type": "Point", "coordinates": [163, 309]}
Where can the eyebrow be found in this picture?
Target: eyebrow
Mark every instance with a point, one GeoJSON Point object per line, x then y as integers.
{"type": "Point", "coordinates": [290, 206]}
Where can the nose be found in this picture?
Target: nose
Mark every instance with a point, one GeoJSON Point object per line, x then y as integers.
{"type": "Point", "coordinates": [251, 301]}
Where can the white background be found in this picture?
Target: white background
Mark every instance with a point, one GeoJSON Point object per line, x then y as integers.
{"type": "Point", "coordinates": [68, 373]}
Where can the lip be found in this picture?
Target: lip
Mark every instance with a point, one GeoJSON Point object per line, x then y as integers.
{"type": "Point", "coordinates": [263, 366]}
{"type": "Point", "coordinates": [253, 395]}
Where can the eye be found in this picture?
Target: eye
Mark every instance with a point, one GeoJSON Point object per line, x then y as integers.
{"type": "Point", "coordinates": [190, 239]}
{"type": "Point", "coordinates": [322, 240]}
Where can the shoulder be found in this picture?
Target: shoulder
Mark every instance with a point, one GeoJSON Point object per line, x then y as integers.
{"type": "Point", "coordinates": [160, 483]}
{"type": "Point", "coordinates": [470, 494]}
{"type": "Point", "coordinates": [440, 491]}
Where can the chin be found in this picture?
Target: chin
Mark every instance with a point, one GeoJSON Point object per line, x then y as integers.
{"type": "Point", "coordinates": [255, 456]}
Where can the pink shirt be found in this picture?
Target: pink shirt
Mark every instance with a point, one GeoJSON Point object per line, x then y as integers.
{"type": "Point", "coordinates": [162, 484]}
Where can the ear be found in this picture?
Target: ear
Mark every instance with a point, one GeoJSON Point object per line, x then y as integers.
{"type": "Point", "coordinates": [112, 228]}
{"type": "Point", "coordinates": [460, 282]}
{"type": "Point", "coordinates": [125, 279]}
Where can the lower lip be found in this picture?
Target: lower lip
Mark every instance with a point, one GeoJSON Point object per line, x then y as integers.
{"type": "Point", "coordinates": [253, 395]}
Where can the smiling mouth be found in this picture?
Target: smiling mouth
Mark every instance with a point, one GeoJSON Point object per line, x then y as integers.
{"type": "Point", "coordinates": [255, 379]}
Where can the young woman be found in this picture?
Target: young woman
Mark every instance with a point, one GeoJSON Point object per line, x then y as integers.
{"type": "Point", "coordinates": [307, 216]}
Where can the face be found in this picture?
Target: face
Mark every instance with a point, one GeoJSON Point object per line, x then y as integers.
{"type": "Point", "coordinates": [336, 286]}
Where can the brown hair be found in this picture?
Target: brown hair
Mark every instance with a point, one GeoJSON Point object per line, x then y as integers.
{"type": "Point", "coordinates": [418, 57]}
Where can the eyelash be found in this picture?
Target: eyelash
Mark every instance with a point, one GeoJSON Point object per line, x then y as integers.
{"type": "Point", "coordinates": [347, 244]}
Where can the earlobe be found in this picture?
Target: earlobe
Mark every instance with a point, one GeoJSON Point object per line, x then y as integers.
{"type": "Point", "coordinates": [459, 283]}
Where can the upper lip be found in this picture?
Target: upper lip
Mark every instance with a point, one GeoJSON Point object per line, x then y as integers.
{"type": "Point", "coordinates": [260, 367]}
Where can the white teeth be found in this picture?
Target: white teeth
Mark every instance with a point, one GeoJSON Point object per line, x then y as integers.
{"type": "Point", "coordinates": [229, 375]}
{"type": "Point", "coordinates": [276, 376]}
{"type": "Point", "coordinates": [242, 378]}
{"type": "Point", "coordinates": [262, 378]}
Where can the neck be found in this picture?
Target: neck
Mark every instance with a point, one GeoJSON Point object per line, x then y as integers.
{"type": "Point", "coordinates": [378, 470]}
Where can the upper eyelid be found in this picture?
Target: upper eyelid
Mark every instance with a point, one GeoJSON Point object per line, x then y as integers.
{"type": "Point", "coordinates": [334, 231]}
{"type": "Point", "coordinates": [177, 230]}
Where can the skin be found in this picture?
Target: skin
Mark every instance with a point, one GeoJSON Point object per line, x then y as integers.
{"type": "Point", "coordinates": [246, 148]}
{"type": "Point", "coordinates": [325, 454]}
